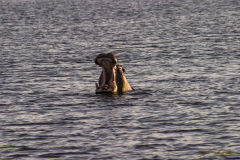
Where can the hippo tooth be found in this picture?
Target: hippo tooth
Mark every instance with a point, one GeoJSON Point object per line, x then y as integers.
{"type": "Point", "coordinates": [105, 87]}
{"type": "Point", "coordinates": [97, 86]}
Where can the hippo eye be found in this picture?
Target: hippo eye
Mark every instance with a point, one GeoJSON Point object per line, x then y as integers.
{"type": "Point", "coordinates": [123, 70]}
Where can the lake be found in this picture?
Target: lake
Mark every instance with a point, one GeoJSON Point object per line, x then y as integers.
{"type": "Point", "coordinates": [181, 57]}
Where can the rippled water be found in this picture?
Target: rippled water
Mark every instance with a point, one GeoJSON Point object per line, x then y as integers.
{"type": "Point", "coordinates": [181, 57]}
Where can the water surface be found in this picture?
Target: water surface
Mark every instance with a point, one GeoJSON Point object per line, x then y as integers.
{"type": "Point", "coordinates": [181, 57]}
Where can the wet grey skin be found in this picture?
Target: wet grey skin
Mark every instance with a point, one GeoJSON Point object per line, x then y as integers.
{"type": "Point", "coordinates": [112, 78]}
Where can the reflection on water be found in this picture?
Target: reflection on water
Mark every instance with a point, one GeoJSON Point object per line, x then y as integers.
{"type": "Point", "coordinates": [181, 57]}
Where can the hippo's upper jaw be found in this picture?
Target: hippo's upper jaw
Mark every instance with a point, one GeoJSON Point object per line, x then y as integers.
{"type": "Point", "coordinates": [112, 78]}
{"type": "Point", "coordinates": [106, 81]}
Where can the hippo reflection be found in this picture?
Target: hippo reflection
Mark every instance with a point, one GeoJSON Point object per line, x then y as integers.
{"type": "Point", "coordinates": [112, 78]}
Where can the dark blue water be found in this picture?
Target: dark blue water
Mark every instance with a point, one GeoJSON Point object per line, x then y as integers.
{"type": "Point", "coordinates": [182, 57]}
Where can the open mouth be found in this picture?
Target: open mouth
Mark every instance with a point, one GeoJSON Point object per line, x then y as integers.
{"type": "Point", "coordinates": [108, 64]}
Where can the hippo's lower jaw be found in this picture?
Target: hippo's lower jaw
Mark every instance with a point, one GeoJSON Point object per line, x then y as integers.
{"type": "Point", "coordinates": [108, 84]}
{"type": "Point", "coordinates": [108, 63]}
{"type": "Point", "coordinates": [112, 78]}
{"type": "Point", "coordinates": [105, 89]}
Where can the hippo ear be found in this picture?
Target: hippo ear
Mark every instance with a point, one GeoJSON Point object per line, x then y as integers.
{"type": "Point", "coordinates": [123, 70]}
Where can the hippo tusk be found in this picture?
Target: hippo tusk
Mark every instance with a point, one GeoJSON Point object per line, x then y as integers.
{"type": "Point", "coordinates": [97, 87]}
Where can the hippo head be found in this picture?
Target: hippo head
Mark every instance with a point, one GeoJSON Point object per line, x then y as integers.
{"type": "Point", "coordinates": [112, 78]}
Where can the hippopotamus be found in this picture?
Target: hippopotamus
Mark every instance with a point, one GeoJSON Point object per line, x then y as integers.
{"type": "Point", "coordinates": [112, 78]}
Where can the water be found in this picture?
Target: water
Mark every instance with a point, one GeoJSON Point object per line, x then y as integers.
{"type": "Point", "coordinates": [181, 57]}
